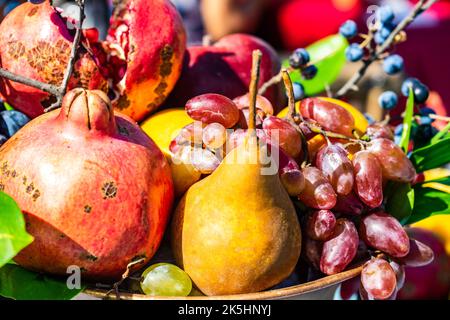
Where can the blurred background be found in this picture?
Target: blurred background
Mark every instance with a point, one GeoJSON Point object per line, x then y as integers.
{"type": "Point", "coordinates": [291, 24]}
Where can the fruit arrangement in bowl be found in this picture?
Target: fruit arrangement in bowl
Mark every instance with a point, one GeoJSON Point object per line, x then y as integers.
{"type": "Point", "coordinates": [233, 196]}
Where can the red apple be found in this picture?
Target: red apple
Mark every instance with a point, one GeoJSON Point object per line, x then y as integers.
{"type": "Point", "coordinates": [431, 281]}
{"type": "Point", "coordinates": [225, 68]}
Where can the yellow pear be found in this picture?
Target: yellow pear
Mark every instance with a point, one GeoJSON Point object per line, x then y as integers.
{"type": "Point", "coordinates": [236, 231]}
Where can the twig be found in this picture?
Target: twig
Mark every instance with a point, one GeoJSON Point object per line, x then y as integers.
{"type": "Point", "coordinates": [290, 93]}
{"type": "Point", "coordinates": [72, 59]}
{"type": "Point", "coordinates": [49, 88]}
{"type": "Point", "coordinates": [292, 114]}
{"type": "Point", "coordinates": [438, 117]}
{"type": "Point", "coordinates": [273, 81]}
{"type": "Point", "coordinates": [279, 76]}
{"type": "Point", "coordinates": [125, 275]}
{"type": "Point", "coordinates": [329, 134]}
{"type": "Point", "coordinates": [75, 47]}
{"type": "Point", "coordinates": [421, 6]}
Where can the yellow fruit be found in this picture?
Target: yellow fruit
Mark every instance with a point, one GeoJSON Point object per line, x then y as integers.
{"type": "Point", "coordinates": [165, 125]}
{"type": "Point", "coordinates": [283, 113]}
{"type": "Point", "coordinates": [236, 231]}
{"type": "Point", "coordinates": [439, 224]}
{"type": "Point", "coordinates": [361, 122]}
{"type": "Point", "coordinates": [184, 175]}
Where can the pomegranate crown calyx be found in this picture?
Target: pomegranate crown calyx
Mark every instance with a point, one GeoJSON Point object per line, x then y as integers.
{"type": "Point", "coordinates": [89, 110]}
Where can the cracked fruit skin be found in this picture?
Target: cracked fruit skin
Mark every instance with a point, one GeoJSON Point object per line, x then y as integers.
{"type": "Point", "coordinates": [152, 40]}
{"type": "Point", "coordinates": [36, 43]}
{"type": "Point", "coordinates": [236, 231]}
{"type": "Point", "coordinates": [96, 192]}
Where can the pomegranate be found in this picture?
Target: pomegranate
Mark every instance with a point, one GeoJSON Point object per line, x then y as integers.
{"type": "Point", "coordinates": [224, 68]}
{"type": "Point", "coordinates": [148, 35]}
{"type": "Point", "coordinates": [35, 42]}
{"type": "Point", "coordinates": [96, 192]}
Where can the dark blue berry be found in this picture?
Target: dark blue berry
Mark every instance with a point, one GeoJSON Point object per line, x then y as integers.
{"type": "Point", "coordinates": [299, 58]}
{"type": "Point", "coordinates": [3, 139]}
{"type": "Point", "coordinates": [409, 83]}
{"type": "Point", "coordinates": [386, 30]}
{"type": "Point", "coordinates": [11, 122]}
{"type": "Point", "coordinates": [425, 112]}
{"type": "Point", "coordinates": [421, 91]}
{"type": "Point", "coordinates": [425, 120]}
{"type": "Point", "coordinates": [385, 14]}
{"type": "Point", "coordinates": [2, 106]}
{"type": "Point", "coordinates": [379, 38]}
{"type": "Point", "coordinates": [388, 100]}
{"type": "Point", "coordinates": [299, 91]}
{"type": "Point", "coordinates": [354, 52]}
{"type": "Point", "coordinates": [424, 134]}
{"type": "Point", "coordinates": [36, 1]}
{"type": "Point", "coordinates": [349, 29]}
{"type": "Point", "coordinates": [393, 64]}
{"type": "Point", "coordinates": [309, 72]}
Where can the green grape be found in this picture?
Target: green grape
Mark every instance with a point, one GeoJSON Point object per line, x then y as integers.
{"type": "Point", "coordinates": [165, 279]}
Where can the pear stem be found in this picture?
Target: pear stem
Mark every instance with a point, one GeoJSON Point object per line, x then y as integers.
{"type": "Point", "coordinates": [256, 66]}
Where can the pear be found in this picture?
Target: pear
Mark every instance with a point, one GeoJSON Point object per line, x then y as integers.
{"type": "Point", "coordinates": [236, 231]}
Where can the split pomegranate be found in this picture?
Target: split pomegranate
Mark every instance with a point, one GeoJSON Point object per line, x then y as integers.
{"type": "Point", "coordinates": [149, 36]}
{"type": "Point", "coordinates": [35, 42]}
{"type": "Point", "coordinates": [96, 192]}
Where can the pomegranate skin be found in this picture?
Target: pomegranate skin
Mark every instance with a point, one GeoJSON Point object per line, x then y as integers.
{"type": "Point", "coordinates": [152, 40]}
{"type": "Point", "coordinates": [96, 192]}
{"type": "Point", "coordinates": [36, 43]}
{"type": "Point", "coordinates": [224, 68]}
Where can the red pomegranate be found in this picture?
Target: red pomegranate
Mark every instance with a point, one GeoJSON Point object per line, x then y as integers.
{"type": "Point", "coordinates": [224, 68]}
{"type": "Point", "coordinates": [149, 36]}
{"type": "Point", "coordinates": [35, 42]}
{"type": "Point", "coordinates": [96, 192]}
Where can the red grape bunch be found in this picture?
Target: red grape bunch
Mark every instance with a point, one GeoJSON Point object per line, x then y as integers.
{"type": "Point", "coordinates": [338, 186]}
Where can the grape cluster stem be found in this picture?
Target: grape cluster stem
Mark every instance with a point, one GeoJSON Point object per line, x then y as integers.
{"type": "Point", "coordinates": [351, 84]}
{"type": "Point", "coordinates": [57, 91]}
{"type": "Point", "coordinates": [125, 276]}
{"type": "Point", "coordinates": [375, 55]}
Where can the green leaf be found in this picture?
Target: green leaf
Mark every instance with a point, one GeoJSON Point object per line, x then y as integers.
{"type": "Point", "coordinates": [330, 56]}
{"type": "Point", "coordinates": [13, 236]}
{"type": "Point", "coordinates": [400, 201]}
{"type": "Point", "coordinates": [429, 201]}
{"type": "Point", "coordinates": [20, 284]}
{"type": "Point", "coordinates": [407, 121]}
{"type": "Point", "coordinates": [431, 156]}
{"type": "Point", "coordinates": [444, 133]}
